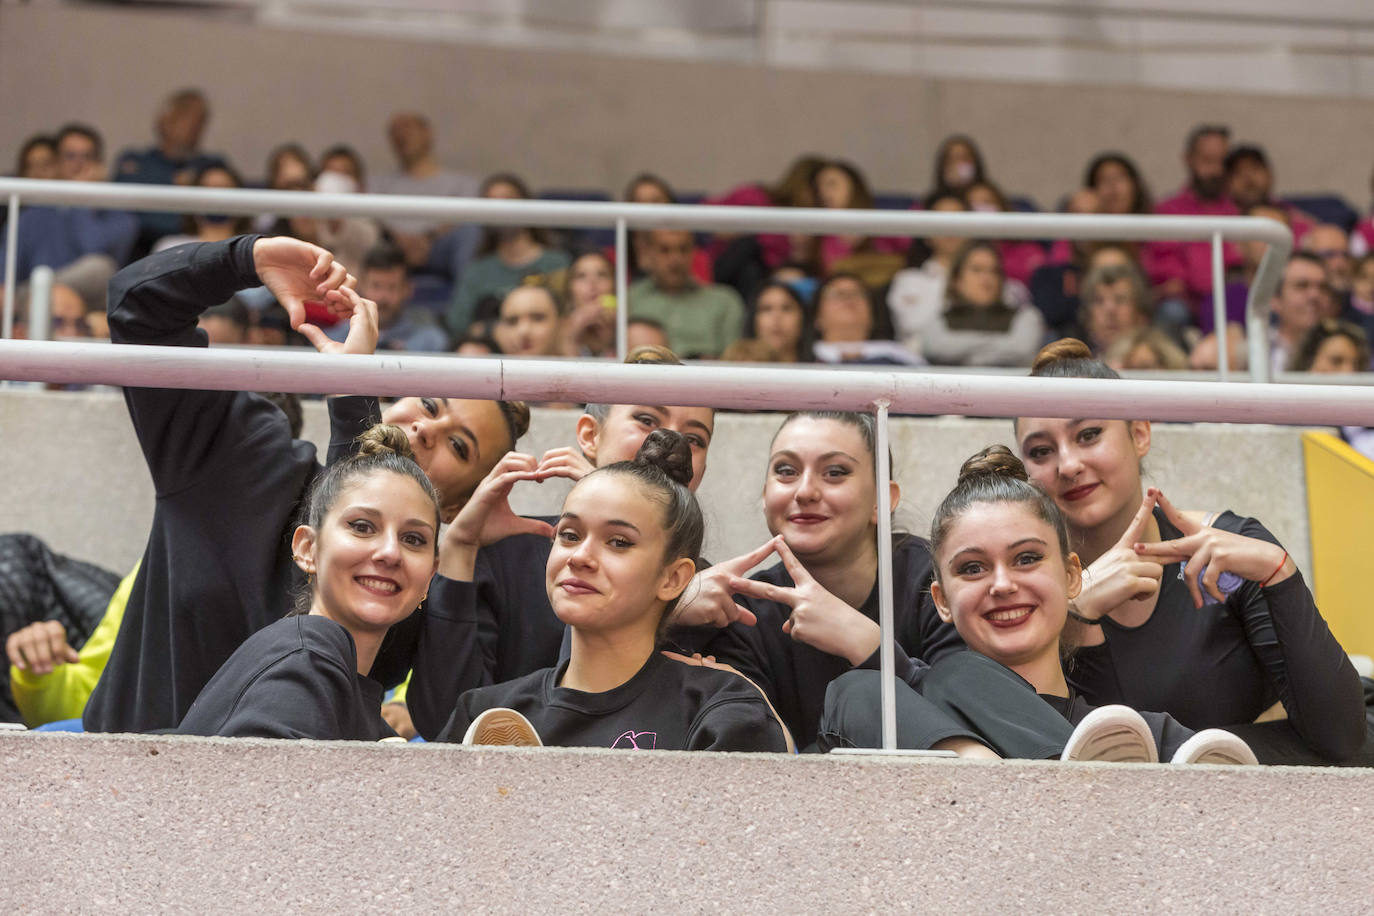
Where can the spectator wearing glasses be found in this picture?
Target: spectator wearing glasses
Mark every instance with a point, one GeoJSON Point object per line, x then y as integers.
{"type": "Point", "coordinates": [1332, 246]}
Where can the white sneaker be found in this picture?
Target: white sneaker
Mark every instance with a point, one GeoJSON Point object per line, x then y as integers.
{"type": "Point", "coordinates": [1213, 745]}
{"type": "Point", "coordinates": [1112, 734]}
{"type": "Point", "coordinates": [501, 726]}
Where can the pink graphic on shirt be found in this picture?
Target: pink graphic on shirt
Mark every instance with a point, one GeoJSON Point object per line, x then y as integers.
{"type": "Point", "coordinates": [631, 740]}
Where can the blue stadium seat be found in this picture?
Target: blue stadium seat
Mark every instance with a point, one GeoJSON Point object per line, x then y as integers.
{"type": "Point", "coordinates": [1326, 208]}
{"type": "Point", "coordinates": [894, 201]}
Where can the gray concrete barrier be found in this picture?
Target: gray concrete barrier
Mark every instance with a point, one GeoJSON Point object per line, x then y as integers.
{"type": "Point", "coordinates": [143, 824]}
{"type": "Point", "coordinates": [74, 474]}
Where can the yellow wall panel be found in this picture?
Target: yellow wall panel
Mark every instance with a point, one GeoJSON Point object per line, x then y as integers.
{"type": "Point", "coordinates": [1340, 508]}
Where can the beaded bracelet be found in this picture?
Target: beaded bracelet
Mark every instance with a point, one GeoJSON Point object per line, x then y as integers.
{"type": "Point", "coordinates": [1265, 583]}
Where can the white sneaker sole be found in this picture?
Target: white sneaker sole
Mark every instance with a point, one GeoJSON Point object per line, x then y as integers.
{"type": "Point", "coordinates": [1112, 734]}
{"type": "Point", "coordinates": [1215, 746]}
{"type": "Point", "coordinates": [504, 727]}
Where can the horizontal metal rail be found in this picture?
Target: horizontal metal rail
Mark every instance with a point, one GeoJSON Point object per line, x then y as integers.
{"type": "Point", "coordinates": [742, 387]}
{"type": "Point", "coordinates": [621, 216]}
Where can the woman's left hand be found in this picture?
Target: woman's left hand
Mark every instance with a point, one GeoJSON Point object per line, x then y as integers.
{"type": "Point", "coordinates": [1208, 552]}
{"type": "Point", "coordinates": [362, 325]}
{"type": "Point", "coordinates": [818, 618]}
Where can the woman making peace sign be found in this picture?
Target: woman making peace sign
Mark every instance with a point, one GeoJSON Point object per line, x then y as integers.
{"type": "Point", "coordinates": [1205, 617]}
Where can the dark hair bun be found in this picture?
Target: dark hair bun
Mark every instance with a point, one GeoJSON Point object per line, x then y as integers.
{"type": "Point", "coordinates": [384, 439]}
{"type": "Point", "coordinates": [1062, 349]}
{"type": "Point", "coordinates": [993, 461]}
{"type": "Point", "coordinates": [669, 452]}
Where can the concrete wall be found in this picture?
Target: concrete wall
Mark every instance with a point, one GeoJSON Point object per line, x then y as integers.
{"type": "Point", "coordinates": [125, 825]}
{"type": "Point", "coordinates": [568, 119]}
{"type": "Point", "coordinates": [74, 474]}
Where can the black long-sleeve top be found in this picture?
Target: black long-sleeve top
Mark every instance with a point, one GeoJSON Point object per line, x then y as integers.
{"type": "Point", "coordinates": [795, 675]}
{"type": "Point", "coordinates": [228, 479]}
{"type": "Point", "coordinates": [667, 705]}
{"type": "Point", "coordinates": [296, 678]}
{"type": "Point", "coordinates": [496, 628]}
{"type": "Point", "coordinates": [1226, 663]}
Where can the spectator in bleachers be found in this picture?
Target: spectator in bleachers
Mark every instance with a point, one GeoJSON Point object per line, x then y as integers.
{"type": "Point", "coordinates": [648, 188]}
{"type": "Point", "coordinates": [529, 322]}
{"type": "Point", "coordinates": [1361, 309]}
{"type": "Point", "coordinates": [780, 323]}
{"type": "Point", "coordinates": [348, 238]}
{"type": "Point", "coordinates": [345, 160]}
{"type": "Point", "coordinates": [385, 280]}
{"type": "Point", "coordinates": [1337, 347]}
{"type": "Point", "coordinates": [1299, 304]}
{"type": "Point", "coordinates": [980, 325]}
{"type": "Point", "coordinates": [209, 227]}
{"type": "Point", "coordinates": [472, 344]}
{"type": "Point", "coordinates": [1115, 305]}
{"type": "Point", "coordinates": [644, 332]}
{"type": "Point", "coordinates": [1054, 286]}
{"type": "Point", "coordinates": [1332, 246]}
{"type": "Point", "coordinates": [1362, 236]}
{"type": "Point", "coordinates": [288, 169]}
{"type": "Point", "coordinates": [701, 319]}
{"type": "Point", "coordinates": [590, 325]}
{"type": "Point", "coordinates": [1020, 257]}
{"type": "Point", "coordinates": [1145, 348]}
{"type": "Point", "coordinates": [226, 323]}
{"type": "Point", "coordinates": [917, 293]}
{"type": "Point", "coordinates": [1112, 184]}
{"type": "Point", "coordinates": [741, 260]}
{"type": "Point", "coordinates": [84, 246]}
{"type": "Point", "coordinates": [1181, 272]}
{"type": "Point", "coordinates": [852, 326]}
{"type": "Point", "coordinates": [412, 140]}
{"type": "Point", "coordinates": [958, 164]}
{"type": "Point", "coordinates": [1250, 183]}
{"type": "Point", "coordinates": [505, 257]}
{"type": "Point", "coordinates": [176, 158]}
{"type": "Point", "coordinates": [271, 327]}
{"type": "Point", "coordinates": [37, 158]}
{"type": "Point", "coordinates": [839, 185]}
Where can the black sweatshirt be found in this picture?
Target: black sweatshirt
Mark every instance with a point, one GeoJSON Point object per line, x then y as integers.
{"type": "Point", "coordinates": [667, 705]}
{"type": "Point", "coordinates": [496, 628]}
{"type": "Point", "coordinates": [1228, 662]}
{"type": "Point", "coordinates": [297, 678]}
{"type": "Point", "coordinates": [228, 480]}
{"type": "Point", "coordinates": [795, 675]}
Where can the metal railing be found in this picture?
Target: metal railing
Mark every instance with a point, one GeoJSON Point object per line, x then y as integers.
{"type": "Point", "coordinates": [623, 217]}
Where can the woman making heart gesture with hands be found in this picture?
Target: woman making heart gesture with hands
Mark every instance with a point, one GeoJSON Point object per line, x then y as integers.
{"type": "Point", "coordinates": [1231, 627]}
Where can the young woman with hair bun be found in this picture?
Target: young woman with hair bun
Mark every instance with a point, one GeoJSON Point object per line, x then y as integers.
{"type": "Point", "coordinates": [624, 551]}
{"type": "Point", "coordinates": [229, 477]}
{"type": "Point", "coordinates": [1202, 615]}
{"type": "Point", "coordinates": [368, 548]}
{"type": "Point", "coordinates": [1005, 577]}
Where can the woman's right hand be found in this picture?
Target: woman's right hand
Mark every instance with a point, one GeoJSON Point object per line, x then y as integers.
{"type": "Point", "coordinates": [1121, 575]}
{"type": "Point", "coordinates": [294, 271]}
{"type": "Point", "coordinates": [709, 600]}
{"type": "Point", "coordinates": [40, 647]}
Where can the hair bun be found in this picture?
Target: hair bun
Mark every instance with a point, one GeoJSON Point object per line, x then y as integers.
{"type": "Point", "coordinates": [1062, 349]}
{"type": "Point", "coordinates": [669, 452]}
{"type": "Point", "coordinates": [993, 461]}
{"type": "Point", "coordinates": [384, 439]}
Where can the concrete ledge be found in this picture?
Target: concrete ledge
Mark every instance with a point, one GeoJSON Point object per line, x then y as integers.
{"type": "Point", "coordinates": [134, 824]}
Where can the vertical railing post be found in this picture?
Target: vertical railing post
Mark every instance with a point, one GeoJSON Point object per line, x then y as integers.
{"type": "Point", "coordinates": [622, 287]}
{"type": "Point", "coordinates": [1219, 309]}
{"type": "Point", "coordinates": [40, 303]}
{"type": "Point", "coordinates": [886, 662]}
{"type": "Point", "coordinates": [11, 263]}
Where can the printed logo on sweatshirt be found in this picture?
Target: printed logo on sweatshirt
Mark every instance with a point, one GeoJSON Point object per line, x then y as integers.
{"type": "Point", "coordinates": [637, 741]}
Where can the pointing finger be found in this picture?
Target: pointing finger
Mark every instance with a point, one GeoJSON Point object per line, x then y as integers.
{"type": "Point", "coordinates": [1136, 529]}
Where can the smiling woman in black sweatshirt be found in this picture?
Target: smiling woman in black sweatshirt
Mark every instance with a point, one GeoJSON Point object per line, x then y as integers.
{"type": "Point", "coordinates": [369, 547]}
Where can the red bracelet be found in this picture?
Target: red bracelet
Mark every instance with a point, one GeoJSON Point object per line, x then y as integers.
{"type": "Point", "coordinates": [1276, 570]}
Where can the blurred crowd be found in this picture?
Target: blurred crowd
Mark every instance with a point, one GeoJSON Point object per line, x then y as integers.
{"type": "Point", "coordinates": [941, 300]}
